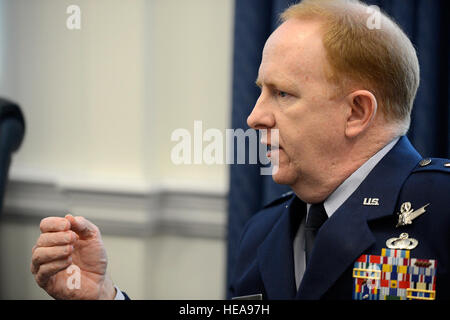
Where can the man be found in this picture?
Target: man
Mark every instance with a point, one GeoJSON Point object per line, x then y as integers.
{"type": "Point", "coordinates": [340, 94]}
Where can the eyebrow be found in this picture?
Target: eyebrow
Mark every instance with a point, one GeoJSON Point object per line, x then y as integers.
{"type": "Point", "coordinates": [259, 83]}
{"type": "Point", "coordinates": [271, 84]}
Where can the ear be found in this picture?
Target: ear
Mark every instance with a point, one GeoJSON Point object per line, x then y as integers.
{"type": "Point", "coordinates": [362, 108]}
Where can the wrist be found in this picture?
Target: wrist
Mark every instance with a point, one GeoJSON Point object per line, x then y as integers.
{"type": "Point", "coordinates": [108, 291]}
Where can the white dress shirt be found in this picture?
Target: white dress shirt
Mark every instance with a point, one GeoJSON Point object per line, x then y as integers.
{"type": "Point", "coordinates": [332, 203]}
{"type": "Point", "coordinates": [119, 294]}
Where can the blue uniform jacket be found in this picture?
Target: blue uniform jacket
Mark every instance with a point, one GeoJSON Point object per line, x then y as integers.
{"type": "Point", "coordinates": [265, 262]}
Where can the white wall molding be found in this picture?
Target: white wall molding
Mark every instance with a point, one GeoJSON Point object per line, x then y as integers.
{"type": "Point", "coordinates": [184, 211]}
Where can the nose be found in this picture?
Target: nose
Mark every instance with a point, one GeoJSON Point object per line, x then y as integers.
{"type": "Point", "coordinates": [261, 116]}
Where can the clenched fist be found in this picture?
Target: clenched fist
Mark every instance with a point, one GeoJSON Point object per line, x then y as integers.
{"type": "Point", "coordinates": [67, 241]}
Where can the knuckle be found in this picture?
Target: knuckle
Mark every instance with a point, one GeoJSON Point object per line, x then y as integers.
{"type": "Point", "coordinates": [47, 223]}
{"type": "Point", "coordinates": [43, 224]}
{"type": "Point", "coordinates": [37, 261]}
{"type": "Point", "coordinates": [41, 240]}
{"type": "Point", "coordinates": [53, 224]}
{"type": "Point", "coordinates": [95, 229]}
{"type": "Point", "coordinates": [39, 277]}
{"type": "Point", "coordinates": [46, 254]}
{"type": "Point", "coordinates": [36, 256]}
{"type": "Point", "coordinates": [32, 268]}
{"type": "Point", "coordinates": [43, 274]}
{"type": "Point", "coordinates": [50, 269]}
{"type": "Point", "coordinates": [53, 239]}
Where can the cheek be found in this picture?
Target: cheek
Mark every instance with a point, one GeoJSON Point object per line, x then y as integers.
{"type": "Point", "coordinates": [326, 125]}
{"type": "Point", "coordinates": [283, 157]}
{"type": "Point", "coordinates": [308, 143]}
{"type": "Point", "coordinates": [307, 130]}
{"type": "Point", "coordinates": [334, 128]}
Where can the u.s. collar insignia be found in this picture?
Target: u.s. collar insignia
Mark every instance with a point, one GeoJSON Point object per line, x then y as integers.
{"type": "Point", "coordinates": [407, 214]}
{"type": "Point", "coordinates": [394, 276]}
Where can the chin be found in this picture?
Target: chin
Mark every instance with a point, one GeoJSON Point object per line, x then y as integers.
{"type": "Point", "coordinates": [282, 176]}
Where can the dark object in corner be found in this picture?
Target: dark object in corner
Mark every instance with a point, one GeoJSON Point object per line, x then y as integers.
{"type": "Point", "coordinates": [12, 131]}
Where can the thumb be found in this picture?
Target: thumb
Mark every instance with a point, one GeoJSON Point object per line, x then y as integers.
{"type": "Point", "coordinates": [82, 227]}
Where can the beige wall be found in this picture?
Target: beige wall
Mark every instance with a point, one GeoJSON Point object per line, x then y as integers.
{"type": "Point", "coordinates": [101, 102]}
{"type": "Point", "coordinates": [100, 105]}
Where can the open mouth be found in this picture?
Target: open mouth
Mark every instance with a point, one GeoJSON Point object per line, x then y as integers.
{"type": "Point", "coordinates": [271, 149]}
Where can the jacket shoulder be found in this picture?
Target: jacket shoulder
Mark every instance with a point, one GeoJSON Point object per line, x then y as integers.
{"type": "Point", "coordinates": [431, 177]}
{"type": "Point", "coordinates": [429, 183]}
{"type": "Point", "coordinates": [433, 165]}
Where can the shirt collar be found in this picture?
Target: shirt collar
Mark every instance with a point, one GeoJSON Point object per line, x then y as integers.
{"type": "Point", "coordinates": [345, 190]}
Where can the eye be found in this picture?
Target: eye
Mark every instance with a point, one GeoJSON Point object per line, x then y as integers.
{"type": "Point", "coordinates": [282, 94]}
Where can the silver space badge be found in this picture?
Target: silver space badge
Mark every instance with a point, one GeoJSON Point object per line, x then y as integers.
{"type": "Point", "coordinates": [407, 214]}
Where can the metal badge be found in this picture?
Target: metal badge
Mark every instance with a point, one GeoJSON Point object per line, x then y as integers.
{"type": "Point", "coordinates": [407, 215]}
{"type": "Point", "coordinates": [403, 242]}
{"type": "Point", "coordinates": [371, 202]}
{"type": "Point", "coordinates": [425, 162]}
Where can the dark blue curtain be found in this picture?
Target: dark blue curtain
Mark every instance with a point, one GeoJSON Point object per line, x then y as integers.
{"type": "Point", "coordinates": [427, 24]}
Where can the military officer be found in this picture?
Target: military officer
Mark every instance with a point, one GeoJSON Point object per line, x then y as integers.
{"type": "Point", "coordinates": [368, 217]}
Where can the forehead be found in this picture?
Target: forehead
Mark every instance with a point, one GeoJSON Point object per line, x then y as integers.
{"type": "Point", "coordinates": [294, 50]}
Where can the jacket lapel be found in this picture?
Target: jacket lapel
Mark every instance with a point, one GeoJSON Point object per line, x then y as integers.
{"type": "Point", "coordinates": [346, 235]}
{"type": "Point", "coordinates": [275, 254]}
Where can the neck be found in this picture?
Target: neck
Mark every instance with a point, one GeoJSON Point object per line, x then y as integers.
{"type": "Point", "coordinates": [335, 171]}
